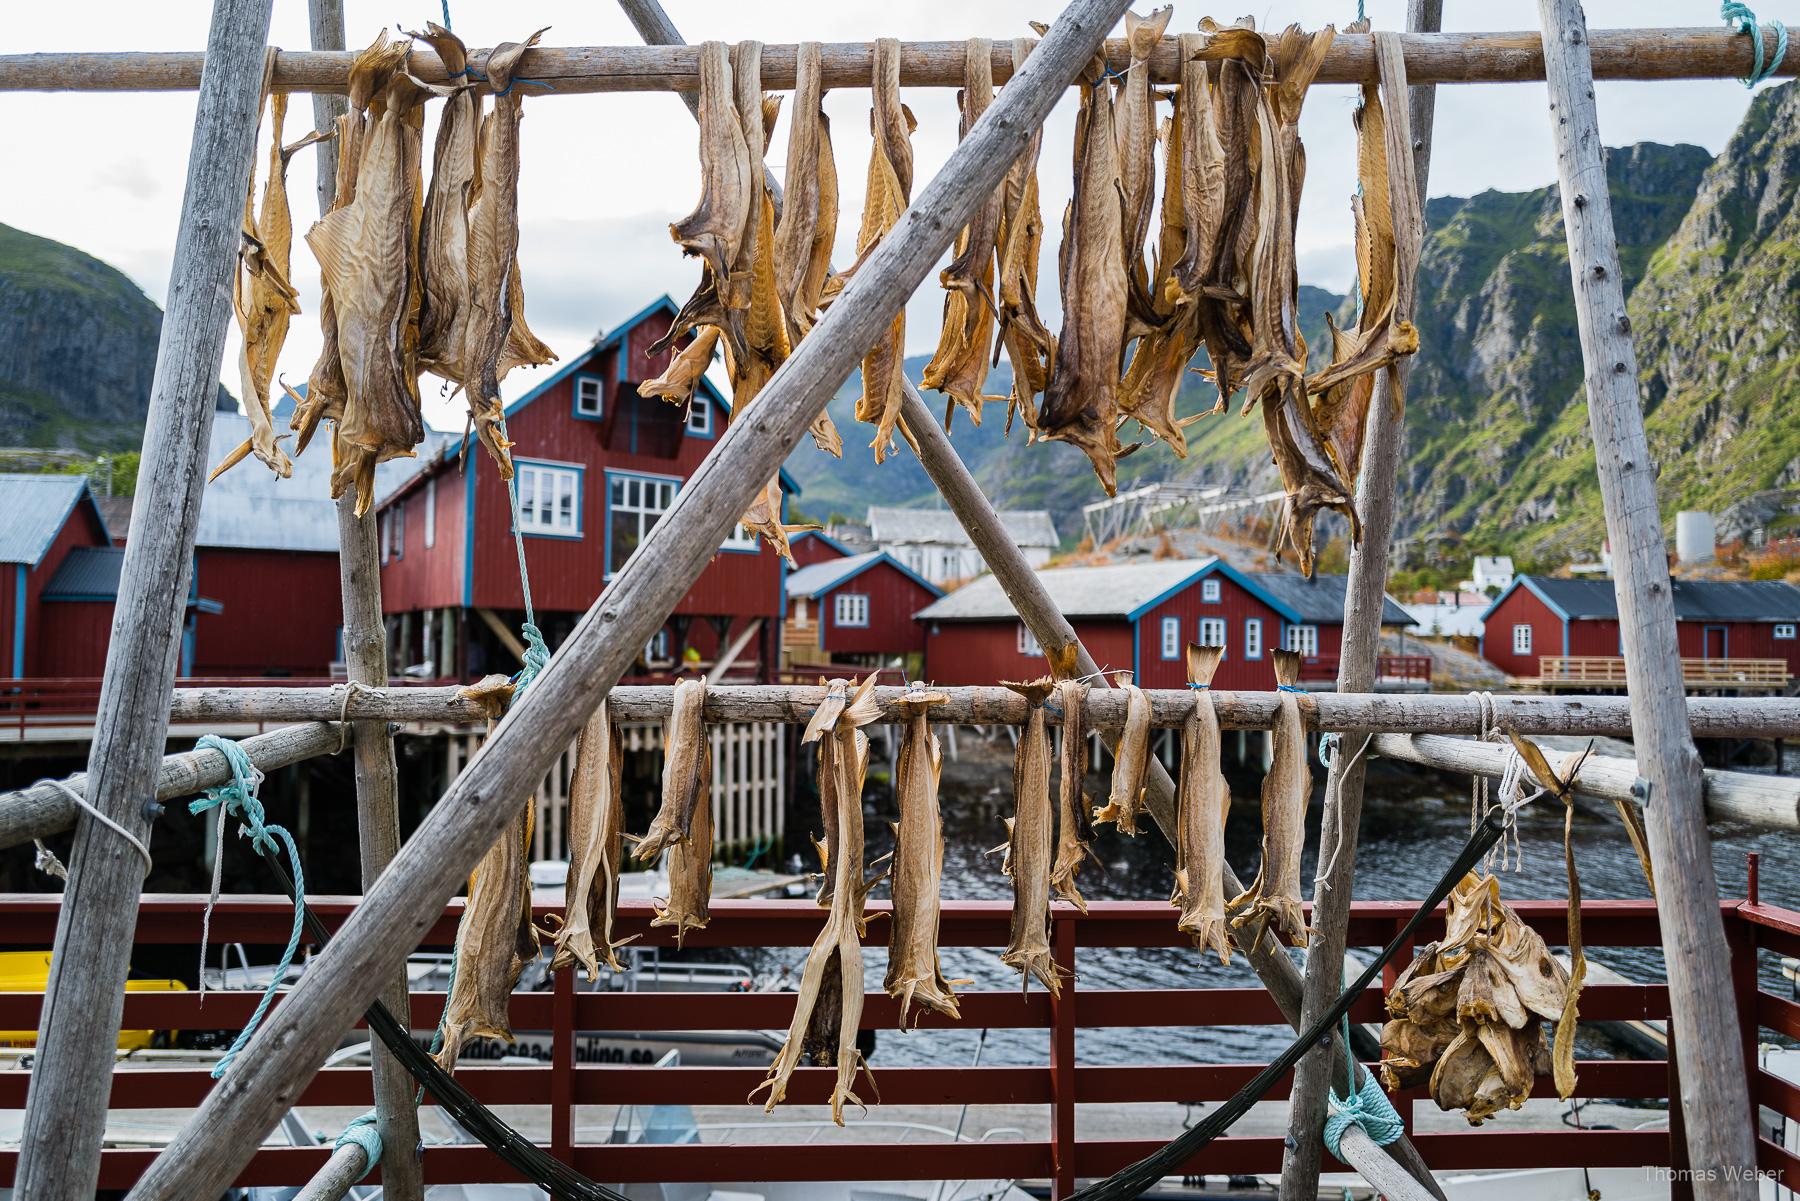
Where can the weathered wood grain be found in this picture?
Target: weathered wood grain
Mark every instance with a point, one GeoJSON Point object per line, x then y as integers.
{"type": "Point", "coordinates": [404, 703]}
{"type": "Point", "coordinates": [59, 1148]}
{"type": "Point", "coordinates": [345, 1167]}
{"type": "Point", "coordinates": [1714, 1091]}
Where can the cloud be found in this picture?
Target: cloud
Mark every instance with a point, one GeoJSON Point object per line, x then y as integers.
{"type": "Point", "coordinates": [132, 176]}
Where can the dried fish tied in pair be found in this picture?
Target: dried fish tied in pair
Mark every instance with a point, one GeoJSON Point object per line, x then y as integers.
{"type": "Point", "coordinates": [683, 823]}
{"type": "Point", "coordinates": [828, 1006]}
{"type": "Point", "coordinates": [960, 366]}
{"type": "Point", "coordinates": [1074, 825]}
{"type": "Point", "coordinates": [444, 224]}
{"type": "Point", "coordinates": [1030, 845]}
{"type": "Point", "coordinates": [1273, 898]}
{"type": "Point", "coordinates": [1131, 761]}
{"type": "Point", "coordinates": [1030, 347]}
{"type": "Point", "coordinates": [918, 870]}
{"type": "Point", "coordinates": [1137, 156]}
{"type": "Point", "coordinates": [1201, 805]}
{"type": "Point", "coordinates": [596, 849]}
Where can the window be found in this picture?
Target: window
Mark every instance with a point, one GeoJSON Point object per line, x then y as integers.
{"type": "Point", "coordinates": [915, 559]}
{"type": "Point", "coordinates": [549, 499]}
{"type": "Point", "coordinates": [384, 535]}
{"type": "Point", "coordinates": [1212, 631]}
{"type": "Point", "coordinates": [1521, 640]}
{"type": "Point", "coordinates": [1171, 637]}
{"type": "Point", "coordinates": [1253, 638]}
{"type": "Point", "coordinates": [657, 649]}
{"type": "Point", "coordinates": [589, 395]}
{"type": "Point", "coordinates": [634, 505]}
{"type": "Point", "coordinates": [397, 529]}
{"type": "Point", "coordinates": [851, 608]}
{"type": "Point", "coordinates": [699, 417]}
{"type": "Point", "coordinates": [1209, 591]}
{"type": "Point", "coordinates": [1028, 643]}
{"type": "Point", "coordinates": [431, 512]}
{"type": "Point", "coordinates": [1784, 631]}
{"type": "Point", "coordinates": [1304, 639]}
{"type": "Point", "coordinates": [740, 538]}
{"type": "Point", "coordinates": [800, 618]}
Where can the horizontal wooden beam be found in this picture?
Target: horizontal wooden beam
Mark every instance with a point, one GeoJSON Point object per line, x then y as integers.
{"type": "Point", "coordinates": [1766, 802]}
{"type": "Point", "coordinates": [364, 703]}
{"type": "Point", "coordinates": [1711, 52]}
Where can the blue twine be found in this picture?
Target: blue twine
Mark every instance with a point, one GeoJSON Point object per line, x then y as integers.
{"type": "Point", "coordinates": [537, 655]}
{"type": "Point", "coordinates": [1199, 687]}
{"type": "Point", "coordinates": [1290, 688]}
{"type": "Point", "coordinates": [1734, 12]}
{"type": "Point", "coordinates": [362, 1131]}
{"type": "Point", "coordinates": [1328, 744]}
{"type": "Point", "coordinates": [238, 799]}
{"type": "Point", "coordinates": [446, 26]}
{"type": "Point", "coordinates": [536, 83]}
{"type": "Point", "coordinates": [1367, 1106]}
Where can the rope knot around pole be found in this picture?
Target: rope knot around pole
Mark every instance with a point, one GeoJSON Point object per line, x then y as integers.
{"type": "Point", "coordinates": [1367, 1107]}
{"type": "Point", "coordinates": [362, 1132]}
{"type": "Point", "coordinates": [537, 656]}
{"type": "Point", "coordinates": [1735, 12]}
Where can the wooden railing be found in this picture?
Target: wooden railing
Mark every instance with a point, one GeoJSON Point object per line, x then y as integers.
{"type": "Point", "coordinates": [1608, 671]}
{"type": "Point", "coordinates": [1387, 667]}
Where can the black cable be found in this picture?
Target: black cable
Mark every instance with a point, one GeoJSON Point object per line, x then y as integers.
{"type": "Point", "coordinates": [1130, 1182]}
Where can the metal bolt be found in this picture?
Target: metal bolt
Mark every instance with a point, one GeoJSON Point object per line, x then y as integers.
{"type": "Point", "coordinates": [152, 810]}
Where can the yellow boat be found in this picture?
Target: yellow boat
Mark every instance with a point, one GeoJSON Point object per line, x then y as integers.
{"type": "Point", "coordinates": [29, 971]}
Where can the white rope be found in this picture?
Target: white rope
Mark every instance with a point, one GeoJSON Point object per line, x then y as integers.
{"type": "Point", "coordinates": [47, 861]}
{"type": "Point", "coordinates": [350, 689]}
{"type": "Point", "coordinates": [1334, 787]}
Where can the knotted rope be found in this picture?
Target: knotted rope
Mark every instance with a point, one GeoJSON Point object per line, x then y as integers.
{"type": "Point", "coordinates": [362, 1132]}
{"type": "Point", "coordinates": [1734, 12]}
{"type": "Point", "coordinates": [1367, 1107]}
{"type": "Point", "coordinates": [50, 865]}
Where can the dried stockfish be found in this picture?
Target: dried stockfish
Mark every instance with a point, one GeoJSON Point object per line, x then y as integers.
{"type": "Point", "coordinates": [918, 870]}
{"type": "Point", "coordinates": [715, 228]}
{"type": "Point", "coordinates": [677, 383]}
{"type": "Point", "coordinates": [1220, 270]}
{"type": "Point", "coordinates": [960, 366]}
{"type": "Point", "coordinates": [825, 717]}
{"type": "Point", "coordinates": [1131, 761]}
{"type": "Point", "coordinates": [1273, 898]}
{"type": "Point", "coordinates": [683, 823]}
{"type": "Point", "coordinates": [596, 849]}
{"type": "Point", "coordinates": [1030, 346]}
{"type": "Point", "coordinates": [1137, 154]}
{"type": "Point", "coordinates": [1201, 806]}
{"type": "Point", "coordinates": [1074, 825]}
{"type": "Point", "coordinates": [826, 1027]}
{"type": "Point", "coordinates": [1030, 845]}
{"type": "Point", "coordinates": [444, 226]}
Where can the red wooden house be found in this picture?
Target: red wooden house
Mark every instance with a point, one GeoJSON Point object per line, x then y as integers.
{"type": "Point", "coordinates": [1141, 616]}
{"type": "Point", "coordinates": [855, 609]}
{"type": "Point", "coordinates": [1540, 617]}
{"type": "Point", "coordinates": [596, 466]}
{"type": "Point", "coordinates": [816, 546]}
{"type": "Point", "coordinates": [48, 518]}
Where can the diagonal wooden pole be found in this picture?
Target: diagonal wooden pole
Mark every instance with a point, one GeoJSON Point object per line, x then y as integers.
{"type": "Point", "coordinates": [267, 1077]}
{"type": "Point", "coordinates": [1408, 129]}
{"type": "Point", "coordinates": [65, 1109]}
{"type": "Point", "coordinates": [366, 658]}
{"type": "Point", "coordinates": [1715, 1097]}
{"type": "Point", "coordinates": [1063, 650]}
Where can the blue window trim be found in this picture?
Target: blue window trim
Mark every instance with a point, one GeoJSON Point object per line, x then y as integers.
{"type": "Point", "coordinates": [468, 563]}
{"type": "Point", "coordinates": [1162, 634]}
{"type": "Point", "coordinates": [1224, 642]}
{"type": "Point", "coordinates": [705, 406]}
{"type": "Point", "coordinates": [580, 490]}
{"type": "Point", "coordinates": [1704, 630]}
{"type": "Point", "coordinates": [609, 474]}
{"type": "Point", "coordinates": [1257, 622]}
{"type": "Point", "coordinates": [850, 625]}
{"type": "Point", "coordinates": [575, 396]}
{"type": "Point", "coordinates": [1776, 636]}
{"type": "Point", "coordinates": [1217, 587]}
{"type": "Point", "coordinates": [18, 639]}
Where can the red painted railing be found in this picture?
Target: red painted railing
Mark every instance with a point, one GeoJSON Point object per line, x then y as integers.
{"type": "Point", "coordinates": [1060, 1083]}
{"type": "Point", "coordinates": [1387, 667]}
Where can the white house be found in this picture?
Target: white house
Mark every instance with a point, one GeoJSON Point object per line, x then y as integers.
{"type": "Point", "coordinates": [1492, 574]}
{"type": "Point", "coordinates": [932, 543]}
{"type": "Point", "coordinates": [1449, 614]}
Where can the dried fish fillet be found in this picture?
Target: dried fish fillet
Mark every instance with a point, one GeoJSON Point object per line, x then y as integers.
{"type": "Point", "coordinates": [715, 229]}
{"type": "Point", "coordinates": [913, 969]}
{"type": "Point", "coordinates": [1131, 761]}
{"type": "Point", "coordinates": [444, 226]}
{"type": "Point", "coordinates": [596, 850]}
{"type": "Point", "coordinates": [1030, 845]}
{"type": "Point", "coordinates": [1273, 898]}
{"type": "Point", "coordinates": [1074, 826]}
{"type": "Point", "coordinates": [1201, 806]}
{"type": "Point", "coordinates": [682, 376]}
{"type": "Point", "coordinates": [1137, 158]}
{"type": "Point", "coordinates": [683, 823]}
{"type": "Point", "coordinates": [1030, 347]}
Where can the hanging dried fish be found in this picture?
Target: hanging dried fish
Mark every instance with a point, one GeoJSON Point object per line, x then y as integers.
{"type": "Point", "coordinates": [1030, 845]}
{"type": "Point", "coordinates": [1137, 155]}
{"type": "Point", "coordinates": [596, 849]}
{"type": "Point", "coordinates": [824, 718]}
{"type": "Point", "coordinates": [1131, 761]}
{"type": "Point", "coordinates": [1273, 898]}
{"type": "Point", "coordinates": [1201, 806]}
{"type": "Point", "coordinates": [1081, 404]}
{"type": "Point", "coordinates": [683, 823]}
{"type": "Point", "coordinates": [1074, 825]}
{"type": "Point", "coordinates": [831, 1028]}
{"type": "Point", "coordinates": [1219, 272]}
{"type": "Point", "coordinates": [444, 225]}
{"type": "Point", "coordinates": [1030, 347]}
{"type": "Point", "coordinates": [677, 383]}
{"type": "Point", "coordinates": [918, 870]}
{"type": "Point", "coordinates": [716, 227]}
{"type": "Point", "coordinates": [960, 366]}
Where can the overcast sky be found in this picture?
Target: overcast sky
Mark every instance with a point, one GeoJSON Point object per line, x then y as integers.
{"type": "Point", "coordinates": [603, 175]}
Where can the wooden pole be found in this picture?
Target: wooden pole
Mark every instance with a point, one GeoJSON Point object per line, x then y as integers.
{"type": "Point", "coordinates": [346, 1166]}
{"type": "Point", "coordinates": [1708, 52]}
{"type": "Point", "coordinates": [366, 663]}
{"type": "Point", "coordinates": [1715, 1096]}
{"type": "Point", "coordinates": [1408, 139]}
{"type": "Point", "coordinates": [65, 1108]}
{"type": "Point", "coordinates": [399, 908]}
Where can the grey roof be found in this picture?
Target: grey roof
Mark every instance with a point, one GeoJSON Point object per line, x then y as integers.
{"type": "Point", "coordinates": [1320, 599]}
{"type": "Point", "coordinates": [815, 578]}
{"type": "Point", "coordinates": [1112, 591]}
{"type": "Point", "coordinates": [1695, 600]}
{"type": "Point", "coordinates": [88, 573]}
{"type": "Point", "coordinates": [36, 506]}
{"type": "Point", "coordinates": [1028, 527]}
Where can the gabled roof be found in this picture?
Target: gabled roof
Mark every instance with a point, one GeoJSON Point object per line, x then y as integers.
{"type": "Point", "coordinates": [1695, 600]}
{"type": "Point", "coordinates": [1113, 591]}
{"type": "Point", "coordinates": [823, 537]}
{"type": "Point", "coordinates": [91, 573]}
{"type": "Point", "coordinates": [816, 579]}
{"type": "Point", "coordinates": [1028, 527]}
{"type": "Point", "coordinates": [1317, 600]}
{"type": "Point", "coordinates": [36, 508]}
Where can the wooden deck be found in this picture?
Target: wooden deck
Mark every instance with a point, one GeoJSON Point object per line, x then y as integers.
{"type": "Point", "coordinates": [1585, 673]}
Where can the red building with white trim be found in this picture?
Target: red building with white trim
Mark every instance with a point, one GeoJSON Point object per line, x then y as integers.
{"type": "Point", "coordinates": [855, 609]}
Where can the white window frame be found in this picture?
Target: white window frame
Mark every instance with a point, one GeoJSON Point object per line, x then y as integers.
{"type": "Point", "coordinates": [800, 616]}
{"type": "Point", "coordinates": [1784, 631]}
{"type": "Point", "coordinates": [1521, 638]}
{"type": "Point", "coordinates": [431, 512]}
{"type": "Point", "coordinates": [397, 528]}
{"type": "Point", "coordinates": [699, 417]}
{"type": "Point", "coordinates": [850, 610]}
{"type": "Point", "coordinates": [1171, 637]}
{"type": "Point", "coordinates": [1253, 634]}
{"type": "Point", "coordinates": [740, 538]}
{"type": "Point", "coordinates": [641, 486]}
{"type": "Point", "coordinates": [384, 534]}
{"type": "Point", "coordinates": [1209, 590]}
{"type": "Point", "coordinates": [599, 396]}
{"type": "Point", "coordinates": [657, 650]}
{"type": "Point", "coordinates": [1304, 640]}
{"type": "Point", "coordinates": [1028, 643]}
{"type": "Point", "coordinates": [1212, 632]}
{"type": "Point", "coordinates": [563, 482]}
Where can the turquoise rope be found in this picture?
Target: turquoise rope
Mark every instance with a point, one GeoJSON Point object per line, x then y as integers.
{"type": "Point", "coordinates": [1328, 744]}
{"type": "Point", "coordinates": [1290, 688]}
{"type": "Point", "coordinates": [1367, 1107]}
{"type": "Point", "coordinates": [362, 1132]}
{"type": "Point", "coordinates": [537, 655]}
{"type": "Point", "coordinates": [1734, 12]}
{"type": "Point", "coordinates": [238, 799]}
{"type": "Point", "coordinates": [1199, 687]}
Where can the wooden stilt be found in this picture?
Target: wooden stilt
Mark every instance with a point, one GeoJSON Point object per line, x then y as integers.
{"type": "Point", "coordinates": [1715, 1096]}
{"type": "Point", "coordinates": [1408, 124]}
{"type": "Point", "coordinates": [397, 910]}
{"type": "Point", "coordinates": [65, 1114]}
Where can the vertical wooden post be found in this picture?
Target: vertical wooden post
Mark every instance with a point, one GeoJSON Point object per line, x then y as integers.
{"type": "Point", "coordinates": [65, 1114]}
{"type": "Point", "coordinates": [562, 1065]}
{"type": "Point", "coordinates": [365, 661]}
{"type": "Point", "coordinates": [1704, 1020]}
{"type": "Point", "coordinates": [1062, 1055]}
{"type": "Point", "coordinates": [1365, 598]}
